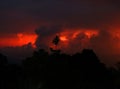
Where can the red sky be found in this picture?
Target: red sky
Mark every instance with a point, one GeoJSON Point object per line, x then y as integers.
{"type": "Point", "coordinates": [80, 24]}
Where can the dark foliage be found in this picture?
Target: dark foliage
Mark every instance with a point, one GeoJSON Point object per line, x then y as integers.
{"type": "Point", "coordinates": [58, 71]}
{"type": "Point", "coordinates": [56, 40]}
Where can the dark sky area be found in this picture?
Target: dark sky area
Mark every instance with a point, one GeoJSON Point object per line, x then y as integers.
{"type": "Point", "coordinates": [29, 24]}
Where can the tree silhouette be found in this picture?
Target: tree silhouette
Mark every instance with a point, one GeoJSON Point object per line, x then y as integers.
{"type": "Point", "coordinates": [44, 70]}
{"type": "Point", "coordinates": [3, 60]}
{"type": "Point", "coordinates": [56, 41]}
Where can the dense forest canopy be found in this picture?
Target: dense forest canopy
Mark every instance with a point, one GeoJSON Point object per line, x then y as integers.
{"type": "Point", "coordinates": [58, 70]}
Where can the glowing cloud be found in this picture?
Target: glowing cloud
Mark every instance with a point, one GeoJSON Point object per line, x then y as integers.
{"type": "Point", "coordinates": [19, 40]}
{"type": "Point", "coordinates": [26, 38]}
{"type": "Point", "coordinates": [63, 38]}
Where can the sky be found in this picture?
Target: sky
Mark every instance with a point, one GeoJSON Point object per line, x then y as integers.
{"type": "Point", "coordinates": [26, 25]}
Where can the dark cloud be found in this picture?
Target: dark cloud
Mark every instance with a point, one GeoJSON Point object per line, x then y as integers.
{"type": "Point", "coordinates": [77, 44]}
{"type": "Point", "coordinates": [75, 13]}
{"type": "Point", "coordinates": [47, 31]}
{"type": "Point", "coordinates": [106, 45]}
{"type": "Point", "coordinates": [45, 35]}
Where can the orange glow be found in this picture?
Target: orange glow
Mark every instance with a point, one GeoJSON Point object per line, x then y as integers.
{"type": "Point", "coordinates": [19, 40]}
{"type": "Point", "coordinates": [75, 34]}
{"type": "Point", "coordinates": [89, 34]}
{"type": "Point", "coordinates": [63, 38]}
{"type": "Point", "coordinates": [26, 38]}
{"type": "Point", "coordinates": [67, 35]}
{"type": "Point", "coordinates": [71, 36]}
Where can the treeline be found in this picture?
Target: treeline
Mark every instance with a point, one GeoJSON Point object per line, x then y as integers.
{"type": "Point", "coordinates": [58, 70]}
